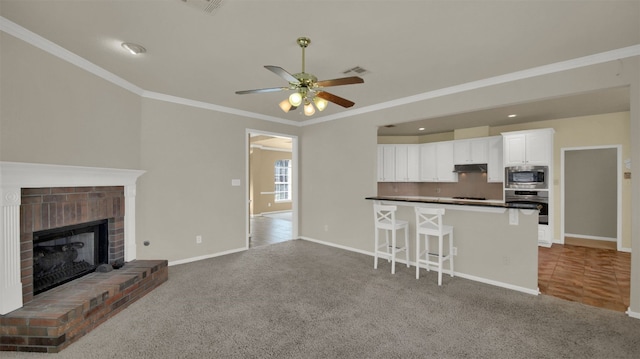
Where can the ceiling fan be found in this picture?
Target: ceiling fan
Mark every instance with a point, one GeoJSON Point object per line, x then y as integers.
{"type": "Point", "coordinates": [307, 89]}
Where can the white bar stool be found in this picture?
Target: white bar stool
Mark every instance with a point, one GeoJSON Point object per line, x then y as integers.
{"type": "Point", "coordinates": [429, 223]}
{"type": "Point", "coordinates": [385, 219]}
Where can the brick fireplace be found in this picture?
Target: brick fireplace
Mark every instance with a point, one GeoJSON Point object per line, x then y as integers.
{"type": "Point", "coordinates": [55, 196]}
{"type": "Point", "coordinates": [56, 207]}
{"type": "Point", "coordinates": [37, 198]}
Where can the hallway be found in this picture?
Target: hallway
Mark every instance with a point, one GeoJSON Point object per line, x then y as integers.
{"type": "Point", "coordinates": [270, 228]}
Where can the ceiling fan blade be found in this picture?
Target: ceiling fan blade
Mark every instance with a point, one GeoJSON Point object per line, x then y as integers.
{"type": "Point", "coordinates": [271, 89]}
{"type": "Point", "coordinates": [335, 99]}
{"type": "Point", "coordinates": [282, 73]}
{"type": "Point", "coordinates": [341, 81]}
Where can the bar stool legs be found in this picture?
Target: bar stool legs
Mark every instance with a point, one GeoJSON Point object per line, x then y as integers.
{"type": "Point", "coordinates": [385, 219]}
{"type": "Point", "coordinates": [429, 223]}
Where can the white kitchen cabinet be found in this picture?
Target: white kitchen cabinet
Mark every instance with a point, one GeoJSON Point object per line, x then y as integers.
{"type": "Point", "coordinates": [380, 163]}
{"type": "Point", "coordinates": [495, 166]}
{"type": "Point", "coordinates": [436, 162]}
{"type": "Point", "coordinates": [398, 163]}
{"type": "Point", "coordinates": [544, 235]}
{"type": "Point", "coordinates": [428, 162]}
{"type": "Point", "coordinates": [470, 151]}
{"type": "Point", "coordinates": [386, 163]}
{"type": "Point", "coordinates": [407, 161]}
{"type": "Point", "coordinates": [532, 147]}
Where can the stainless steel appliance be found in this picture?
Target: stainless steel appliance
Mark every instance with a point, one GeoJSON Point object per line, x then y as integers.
{"type": "Point", "coordinates": [529, 199]}
{"type": "Point", "coordinates": [526, 177]}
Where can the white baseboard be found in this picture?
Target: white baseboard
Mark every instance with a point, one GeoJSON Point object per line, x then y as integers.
{"type": "Point", "coordinates": [350, 249]}
{"type": "Point", "coordinates": [498, 284]}
{"type": "Point", "coordinates": [272, 212]}
{"type": "Point", "coordinates": [604, 239]}
{"type": "Point", "coordinates": [199, 258]}
{"type": "Point", "coordinates": [635, 315]}
{"type": "Point", "coordinates": [595, 238]}
{"type": "Point", "coordinates": [457, 274]}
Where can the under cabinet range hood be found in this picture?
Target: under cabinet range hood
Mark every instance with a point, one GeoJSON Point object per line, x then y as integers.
{"type": "Point", "coordinates": [478, 168]}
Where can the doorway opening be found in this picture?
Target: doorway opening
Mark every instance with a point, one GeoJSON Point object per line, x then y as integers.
{"type": "Point", "coordinates": [272, 183]}
{"type": "Point", "coordinates": [581, 268]}
{"type": "Point", "coordinates": [591, 202]}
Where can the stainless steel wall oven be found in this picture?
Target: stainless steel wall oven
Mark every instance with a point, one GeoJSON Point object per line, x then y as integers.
{"type": "Point", "coordinates": [527, 198]}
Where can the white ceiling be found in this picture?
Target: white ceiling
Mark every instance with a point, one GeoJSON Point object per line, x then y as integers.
{"type": "Point", "coordinates": [408, 47]}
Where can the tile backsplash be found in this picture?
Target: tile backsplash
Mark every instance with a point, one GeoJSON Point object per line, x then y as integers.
{"type": "Point", "coordinates": [468, 185]}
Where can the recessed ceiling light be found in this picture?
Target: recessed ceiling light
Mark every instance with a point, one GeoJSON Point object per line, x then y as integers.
{"type": "Point", "coordinates": [512, 115]}
{"type": "Point", "coordinates": [421, 129]}
{"type": "Point", "coordinates": [134, 49]}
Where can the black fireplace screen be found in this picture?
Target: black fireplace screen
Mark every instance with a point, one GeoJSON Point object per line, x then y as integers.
{"type": "Point", "coordinates": [63, 254]}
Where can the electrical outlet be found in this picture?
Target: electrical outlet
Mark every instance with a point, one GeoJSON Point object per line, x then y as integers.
{"type": "Point", "coordinates": [198, 239]}
{"type": "Point", "coordinates": [454, 251]}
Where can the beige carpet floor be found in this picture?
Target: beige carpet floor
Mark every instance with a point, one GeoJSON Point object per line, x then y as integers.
{"type": "Point", "coordinates": [299, 299]}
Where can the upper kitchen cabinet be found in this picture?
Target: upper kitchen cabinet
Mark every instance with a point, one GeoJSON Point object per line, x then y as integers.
{"type": "Point", "coordinates": [398, 163]}
{"type": "Point", "coordinates": [436, 162]}
{"type": "Point", "coordinates": [386, 163]}
{"type": "Point", "coordinates": [531, 147]}
{"type": "Point", "coordinates": [495, 167]}
{"type": "Point", "coordinates": [407, 163]}
{"type": "Point", "coordinates": [470, 151]}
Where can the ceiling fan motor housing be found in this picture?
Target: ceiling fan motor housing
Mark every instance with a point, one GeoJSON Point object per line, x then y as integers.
{"type": "Point", "coordinates": [304, 41]}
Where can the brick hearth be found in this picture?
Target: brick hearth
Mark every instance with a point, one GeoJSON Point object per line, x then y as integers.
{"type": "Point", "coordinates": [58, 317]}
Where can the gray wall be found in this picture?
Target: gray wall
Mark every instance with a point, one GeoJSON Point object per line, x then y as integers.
{"type": "Point", "coordinates": [53, 112]}
{"type": "Point", "coordinates": [591, 182]}
{"type": "Point", "coordinates": [191, 154]}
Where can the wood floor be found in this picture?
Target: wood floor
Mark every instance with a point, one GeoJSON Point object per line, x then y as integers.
{"type": "Point", "coordinates": [593, 276]}
{"type": "Point", "coordinates": [270, 229]}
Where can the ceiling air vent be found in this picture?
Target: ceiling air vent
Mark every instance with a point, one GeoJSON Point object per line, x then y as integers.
{"type": "Point", "coordinates": [355, 71]}
{"type": "Point", "coordinates": [208, 6]}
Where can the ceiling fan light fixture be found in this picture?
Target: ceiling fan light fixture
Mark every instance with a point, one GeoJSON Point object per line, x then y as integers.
{"type": "Point", "coordinates": [295, 99]}
{"type": "Point", "coordinates": [305, 87]}
{"type": "Point", "coordinates": [309, 110]}
{"type": "Point", "coordinates": [286, 106]}
{"type": "Point", "coordinates": [321, 103]}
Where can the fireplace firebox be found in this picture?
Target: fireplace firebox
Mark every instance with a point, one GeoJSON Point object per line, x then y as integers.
{"type": "Point", "coordinates": [66, 253]}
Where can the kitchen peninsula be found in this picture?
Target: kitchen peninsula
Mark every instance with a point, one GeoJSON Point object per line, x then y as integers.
{"type": "Point", "coordinates": [495, 243]}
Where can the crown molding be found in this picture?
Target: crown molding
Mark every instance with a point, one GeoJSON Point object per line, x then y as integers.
{"type": "Point", "coordinates": [576, 63]}
{"type": "Point", "coordinates": [40, 42]}
{"type": "Point", "coordinates": [214, 107]}
{"type": "Point", "coordinates": [36, 40]}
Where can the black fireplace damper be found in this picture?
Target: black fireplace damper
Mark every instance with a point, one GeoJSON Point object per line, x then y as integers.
{"type": "Point", "coordinates": [66, 253]}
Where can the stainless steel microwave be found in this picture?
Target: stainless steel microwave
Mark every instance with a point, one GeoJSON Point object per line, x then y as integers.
{"type": "Point", "coordinates": [526, 177]}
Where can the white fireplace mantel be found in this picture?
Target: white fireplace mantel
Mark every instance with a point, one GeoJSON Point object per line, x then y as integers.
{"type": "Point", "coordinates": [14, 176]}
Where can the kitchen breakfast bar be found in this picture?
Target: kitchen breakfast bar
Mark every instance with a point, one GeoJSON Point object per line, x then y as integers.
{"type": "Point", "coordinates": [495, 243]}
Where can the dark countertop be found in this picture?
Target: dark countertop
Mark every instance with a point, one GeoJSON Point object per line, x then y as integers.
{"type": "Point", "coordinates": [455, 201]}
